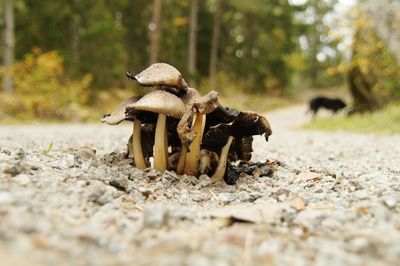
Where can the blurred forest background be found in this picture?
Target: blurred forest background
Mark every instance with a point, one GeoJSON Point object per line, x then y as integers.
{"type": "Point", "coordinates": [66, 59]}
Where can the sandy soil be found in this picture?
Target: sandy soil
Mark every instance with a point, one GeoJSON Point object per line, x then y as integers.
{"type": "Point", "coordinates": [334, 200]}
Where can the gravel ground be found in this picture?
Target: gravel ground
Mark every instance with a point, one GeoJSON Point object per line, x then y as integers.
{"type": "Point", "coordinates": [334, 200]}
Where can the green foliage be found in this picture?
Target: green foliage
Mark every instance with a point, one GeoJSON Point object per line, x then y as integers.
{"type": "Point", "coordinates": [259, 42]}
{"type": "Point", "coordinates": [42, 90]}
{"type": "Point", "coordinates": [88, 34]}
{"type": "Point", "coordinates": [259, 49]}
{"type": "Point", "coordinates": [384, 121]}
{"type": "Point", "coordinates": [258, 36]}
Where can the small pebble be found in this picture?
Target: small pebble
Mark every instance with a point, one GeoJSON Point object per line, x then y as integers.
{"type": "Point", "coordinates": [23, 179]}
{"type": "Point", "coordinates": [5, 197]}
{"type": "Point", "coordinates": [154, 216]}
{"type": "Point", "coordinates": [226, 198]}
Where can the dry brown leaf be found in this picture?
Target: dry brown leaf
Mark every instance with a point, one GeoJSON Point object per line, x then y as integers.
{"type": "Point", "coordinates": [309, 176]}
{"type": "Point", "coordinates": [259, 213]}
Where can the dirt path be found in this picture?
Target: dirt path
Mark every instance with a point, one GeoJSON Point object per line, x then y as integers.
{"type": "Point", "coordinates": [334, 200]}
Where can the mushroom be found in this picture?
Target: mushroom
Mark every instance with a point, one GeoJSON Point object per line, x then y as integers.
{"type": "Point", "coordinates": [117, 116]}
{"type": "Point", "coordinates": [208, 161]}
{"type": "Point", "coordinates": [164, 104]}
{"type": "Point", "coordinates": [161, 75]}
{"type": "Point", "coordinates": [197, 108]}
{"type": "Point", "coordinates": [241, 128]}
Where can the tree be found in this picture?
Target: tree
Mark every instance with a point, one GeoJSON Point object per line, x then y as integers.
{"type": "Point", "coordinates": [321, 47]}
{"type": "Point", "coordinates": [154, 31]}
{"type": "Point", "coordinates": [215, 44]}
{"type": "Point", "coordinates": [193, 42]}
{"type": "Point", "coordinates": [374, 76]}
{"type": "Point", "coordinates": [8, 45]}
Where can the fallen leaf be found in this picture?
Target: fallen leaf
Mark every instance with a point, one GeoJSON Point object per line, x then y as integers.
{"type": "Point", "coordinates": [259, 213]}
{"type": "Point", "coordinates": [309, 176]}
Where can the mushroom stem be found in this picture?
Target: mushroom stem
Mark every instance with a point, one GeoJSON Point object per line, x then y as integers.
{"type": "Point", "coordinates": [220, 171]}
{"type": "Point", "coordinates": [166, 148]}
{"type": "Point", "coordinates": [160, 144]}
{"type": "Point", "coordinates": [193, 157]}
{"type": "Point", "coordinates": [182, 159]}
{"type": "Point", "coordinates": [137, 145]}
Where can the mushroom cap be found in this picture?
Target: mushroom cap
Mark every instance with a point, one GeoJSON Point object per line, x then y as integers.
{"type": "Point", "coordinates": [161, 102]}
{"type": "Point", "coordinates": [245, 125]}
{"type": "Point", "coordinates": [191, 96]}
{"type": "Point", "coordinates": [250, 123]}
{"type": "Point", "coordinates": [160, 74]}
{"type": "Point", "coordinates": [221, 115]}
{"type": "Point", "coordinates": [118, 115]}
{"type": "Point", "coordinates": [208, 103]}
{"type": "Point", "coordinates": [195, 103]}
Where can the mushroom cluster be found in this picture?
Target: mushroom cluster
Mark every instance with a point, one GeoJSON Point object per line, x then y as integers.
{"type": "Point", "coordinates": [184, 131]}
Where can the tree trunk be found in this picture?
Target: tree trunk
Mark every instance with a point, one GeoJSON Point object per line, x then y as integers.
{"type": "Point", "coordinates": [215, 44]}
{"type": "Point", "coordinates": [193, 43]}
{"type": "Point", "coordinates": [75, 38]}
{"type": "Point", "coordinates": [8, 45]}
{"type": "Point", "coordinates": [154, 28]}
{"type": "Point", "coordinates": [375, 72]}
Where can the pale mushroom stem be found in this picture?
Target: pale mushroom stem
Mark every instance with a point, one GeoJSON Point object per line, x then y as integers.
{"type": "Point", "coordinates": [181, 162]}
{"type": "Point", "coordinates": [221, 168]}
{"type": "Point", "coordinates": [137, 145]}
{"type": "Point", "coordinates": [193, 157]}
{"type": "Point", "coordinates": [166, 148]}
{"type": "Point", "coordinates": [160, 144]}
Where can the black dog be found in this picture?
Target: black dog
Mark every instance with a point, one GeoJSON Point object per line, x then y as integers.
{"type": "Point", "coordinates": [323, 102]}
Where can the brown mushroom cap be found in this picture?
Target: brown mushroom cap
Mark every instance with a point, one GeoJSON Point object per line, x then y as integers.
{"type": "Point", "coordinates": [160, 102]}
{"type": "Point", "coordinates": [221, 115]}
{"type": "Point", "coordinates": [118, 115]}
{"type": "Point", "coordinates": [250, 123]}
{"type": "Point", "coordinates": [195, 103]}
{"type": "Point", "coordinates": [245, 125]}
{"type": "Point", "coordinates": [160, 74]}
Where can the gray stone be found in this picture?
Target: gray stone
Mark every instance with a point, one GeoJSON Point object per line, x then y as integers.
{"type": "Point", "coordinates": [19, 154]}
{"type": "Point", "coordinates": [359, 244]}
{"type": "Point", "coordinates": [13, 169]}
{"type": "Point", "coordinates": [22, 179]}
{"type": "Point", "coordinates": [390, 202]}
{"type": "Point", "coordinates": [119, 181]}
{"type": "Point", "coordinates": [96, 191]}
{"type": "Point", "coordinates": [155, 216]}
{"type": "Point", "coordinates": [226, 198]}
{"type": "Point", "coordinates": [6, 197]}
{"type": "Point", "coordinates": [204, 181]}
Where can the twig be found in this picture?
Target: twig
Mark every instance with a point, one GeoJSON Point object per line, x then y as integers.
{"type": "Point", "coordinates": [212, 193]}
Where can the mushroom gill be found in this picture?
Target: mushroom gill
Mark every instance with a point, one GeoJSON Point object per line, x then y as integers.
{"type": "Point", "coordinates": [245, 125]}
{"type": "Point", "coordinates": [117, 116]}
{"type": "Point", "coordinates": [164, 104]}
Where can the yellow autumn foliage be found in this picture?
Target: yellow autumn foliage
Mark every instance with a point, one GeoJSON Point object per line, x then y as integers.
{"type": "Point", "coordinates": [43, 91]}
{"type": "Point", "coordinates": [376, 62]}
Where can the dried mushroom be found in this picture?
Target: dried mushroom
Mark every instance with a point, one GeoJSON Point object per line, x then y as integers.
{"type": "Point", "coordinates": [245, 125]}
{"type": "Point", "coordinates": [117, 116]}
{"type": "Point", "coordinates": [197, 128]}
{"type": "Point", "coordinates": [164, 104]}
{"type": "Point", "coordinates": [191, 128]}
{"type": "Point", "coordinates": [161, 75]}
